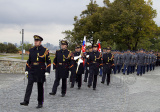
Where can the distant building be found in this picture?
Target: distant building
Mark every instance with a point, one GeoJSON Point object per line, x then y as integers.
{"type": "Point", "coordinates": [5, 43]}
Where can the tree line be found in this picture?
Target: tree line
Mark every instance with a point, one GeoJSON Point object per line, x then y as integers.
{"type": "Point", "coordinates": [11, 48]}
{"type": "Point", "coordinates": [122, 24]}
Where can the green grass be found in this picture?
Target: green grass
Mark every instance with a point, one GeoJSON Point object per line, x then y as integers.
{"type": "Point", "coordinates": [20, 57]}
{"type": "Point", "coordinates": [1, 55]}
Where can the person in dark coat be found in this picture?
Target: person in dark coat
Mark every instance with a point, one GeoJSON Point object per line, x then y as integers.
{"type": "Point", "coordinates": [77, 72]}
{"type": "Point", "coordinates": [94, 61]}
{"type": "Point", "coordinates": [61, 64]}
{"type": "Point", "coordinates": [107, 65]}
{"type": "Point", "coordinates": [87, 65]}
{"type": "Point", "coordinates": [36, 69]}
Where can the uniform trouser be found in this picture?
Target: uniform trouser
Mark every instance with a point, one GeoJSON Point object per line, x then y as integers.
{"type": "Point", "coordinates": [101, 71]}
{"type": "Point", "coordinates": [140, 69]}
{"type": "Point", "coordinates": [115, 69]}
{"type": "Point", "coordinates": [92, 78]}
{"type": "Point", "coordinates": [71, 77]}
{"type": "Point", "coordinates": [104, 77]}
{"type": "Point", "coordinates": [144, 69]}
{"type": "Point", "coordinates": [56, 84]}
{"type": "Point", "coordinates": [78, 79]}
{"type": "Point", "coordinates": [29, 91]}
{"type": "Point", "coordinates": [86, 75]}
{"type": "Point", "coordinates": [128, 69]}
{"type": "Point", "coordinates": [119, 68]}
{"type": "Point", "coordinates": [151, 67]}
{"type": "Point", "coordinates": [147, 68]}
{"type": "Point", "coordinates": [132, 69]}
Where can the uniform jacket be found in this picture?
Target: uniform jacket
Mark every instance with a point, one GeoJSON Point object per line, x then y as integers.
{"type": "Point", "coordinates": [38, 63]}
{"type": "Point", "coordinates": [61, 63]}
{"type": "Point", "coordinates": [74, 65]}
{"type": "Point", "coordinates": [107, 62]}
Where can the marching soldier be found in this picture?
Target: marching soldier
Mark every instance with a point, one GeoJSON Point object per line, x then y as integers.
{"type": "Point", "coordinates": [154, 61]}
{"type": "Point", "coordinates": [94, 61]}
{"type": "Point", "coordinates": [107, 65]}
{"type": "Point", "coordinates": [119, 61]}
{"type": "Point", "coordinates": [115, 62]}
{"type": "Point", "coordinates": [151, 60]}
{"type": "Point", "coordinates": [77, 75]}
{"type": "Point", "coordinates": [147, 61]}
{"type": "Point", "coordinates": [127, 60]}
{"type": "Point", "coordinates": [87, 65]}
{"type": "Point", "coordinates": [61, 64]}
{"type": "Point", "coordinates": [36, 69]}
{"type": "Point", "coordinates": [132, 63]}
{"type": "Point", "coordinates": [140, 62]}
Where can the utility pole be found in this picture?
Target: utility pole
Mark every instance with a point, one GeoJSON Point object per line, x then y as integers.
{"type": "Point", "coordinates": [22, 42]}
{"type": "Point", "coordinates": [60, 43]}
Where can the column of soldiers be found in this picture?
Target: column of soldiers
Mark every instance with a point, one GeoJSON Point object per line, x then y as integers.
{"type": "Point", "coordinates": [39, 64]}
{"type": "Point", "coordinates": [130, 61]}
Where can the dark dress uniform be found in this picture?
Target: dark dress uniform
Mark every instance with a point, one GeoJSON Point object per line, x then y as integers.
{"type": "Point", "coordinates": [76, 76]}
{"type": "Point", "coordinates": [94, 61]}
{"type": "Point", "coordinates": [36, 68]}
{"type": "Point", "coordinates": [61, 63]}
{"type": "Point", "coordinates": [107, 66]}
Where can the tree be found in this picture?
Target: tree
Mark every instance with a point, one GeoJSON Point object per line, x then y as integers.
{"type": "Point", "coordinates": [88, 25]}
{"type": "Point", "coordinates": [11, 48]}
{"type": "Point", "coordinates": [26, 46]}
{"type": "Point", "coordinates": [2, 48]}
{"type": "Point", "coordinates": [124, 24]}
{"type": "Point", "coordinates": [129, 22]}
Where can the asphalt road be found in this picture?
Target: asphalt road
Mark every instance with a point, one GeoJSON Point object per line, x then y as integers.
{"type": "Point", "coordinates": [125, 94]}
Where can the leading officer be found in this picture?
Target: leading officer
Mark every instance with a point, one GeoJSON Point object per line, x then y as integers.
{"type": "Point", "coordinates": [36, 69]}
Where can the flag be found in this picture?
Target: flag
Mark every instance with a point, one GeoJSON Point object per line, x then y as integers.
{"type": "Point", "coordinates": [84, 48]}
{"type": "Point", "coordinates": [99, 46]}
{"type": "Point", "coordinates": [84, 45]}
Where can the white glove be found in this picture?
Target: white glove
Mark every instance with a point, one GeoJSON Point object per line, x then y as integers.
{"type": "Point", "coordinates": [26, 74]}
{"type": "Point", "coordinates": [46, 74]}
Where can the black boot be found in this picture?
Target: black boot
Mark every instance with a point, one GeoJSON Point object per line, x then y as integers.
{"type": "Point", "coordinates": [63, 95]}
{"type": "Point", "coordinates": [102, 82]}
{"type": "Point", "coordinates": [52, 93]}
{"type": "Point", "coordinates": [25, 103]}
{"type": "Point", "coordinates": [72, 86]}
{"type": "Point", "coordinates": [39, 106]}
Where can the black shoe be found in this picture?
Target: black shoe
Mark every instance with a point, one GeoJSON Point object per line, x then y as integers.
{"type": "Point", "coordinates": [137, 74]}
{"type": "Point", "coordinates": [79, 87]}
{"type": "Point", "coordinates": [94, 88]}
{"type": "Point", "coordinates": [123, 73]}
{"type": "Point", "coordinates": [107, 84]}
{"type": "Point", "coordinates": [102, 82]}
{"type": "Point", "coordinates": [52, 93]}
{"type": "Point", "coordinates": [72, 86]}
{"type": "Point", "coordinates": [85, 80]}
{"type": "Point", "coordinates": [63, 95]}
{"type": "Point", "coordinates": [24, 103]}
{"type": "Point", "coordinates": [89, 86]}
{"type": "Point", "coordinates": [39, 106]}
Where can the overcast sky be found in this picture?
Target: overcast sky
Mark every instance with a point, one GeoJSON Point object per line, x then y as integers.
{"type": "Point", "coordinates": [47, 18]}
